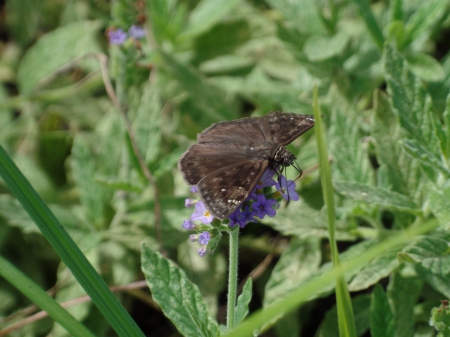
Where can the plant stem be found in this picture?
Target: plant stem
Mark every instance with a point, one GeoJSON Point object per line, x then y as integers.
{"type": "Point", "coordinates": [232, 277]}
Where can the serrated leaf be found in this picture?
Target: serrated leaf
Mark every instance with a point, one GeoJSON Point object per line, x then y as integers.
{"type": "Point", "coordinates": [243, 301]}
{"type": "Point", "coordinates": [301, 258]}
{"type": "Point", "coordinates": [381, 317]}
{"type": "Point", "coordinates": [401, 171]}
{"type": "Point", "coordinates": [179, 299]}
{"type": "Point", "coordinates": [410, 101]}
{"type": "Point", "coordinates": [361, 308]}
{"type": "Point", "coordinates": [375, 270]}
{"type": "Point", "coordinates": [350, 159]}
{"type": "Point", "coordinates": [302, 221]}
{"type": "Point", "coordinates": [375, 195]}
{"type": "Point", "coordinates": [147, 123]}
{"type": "Point", "coordinates": [426, 67]}
{"type": "Point", "coordinates": [56, 49]}
{"type": "Point", "coordinates": [403, 293]}
{"type": "Point", "coordinates": [206, 14]}
{"type": "Point", "coordinates": [440, 205]}
{"type": "Point", "coordinates": [428, 159]}
{"type": "Point", "coordinates": [319, 48]}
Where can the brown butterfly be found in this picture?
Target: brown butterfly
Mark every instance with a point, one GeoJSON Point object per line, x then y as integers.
{"type": "Point", "coordinates": [231, 157]}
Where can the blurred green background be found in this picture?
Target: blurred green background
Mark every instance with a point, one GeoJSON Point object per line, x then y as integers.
{"type": "Point", "coordinates": [382, 69]}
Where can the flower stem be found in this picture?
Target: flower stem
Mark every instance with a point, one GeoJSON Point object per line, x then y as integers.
{"type": "Point", "coordinates": [232, 277]}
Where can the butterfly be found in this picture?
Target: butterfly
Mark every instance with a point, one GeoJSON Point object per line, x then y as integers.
{"type": "Point", "coordinates": [231, 157]}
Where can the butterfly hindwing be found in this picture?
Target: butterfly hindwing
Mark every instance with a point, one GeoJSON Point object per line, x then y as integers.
{"type": "Point", "coordinates": [224, 190]}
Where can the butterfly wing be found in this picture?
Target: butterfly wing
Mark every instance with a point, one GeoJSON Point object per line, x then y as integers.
{"type": "Point", "coordinates": [282, 128]}
{"type": "Point", "coordinates": [224, 190]}
{"type": "Point", "coordinates": [247, 130]}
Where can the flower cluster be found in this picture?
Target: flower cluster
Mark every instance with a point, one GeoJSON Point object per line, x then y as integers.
{"type": "Point", "coordinates": [119, 36]}
{"type": "Point", "coordinates": [261, 202]}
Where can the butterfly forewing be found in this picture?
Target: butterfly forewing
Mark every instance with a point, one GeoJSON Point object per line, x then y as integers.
{"type": "Point", "coordinates": [224, 190]}
{"type": "Point", "coordinates": [247, 130]}
{"type": "Point", "coordinates": [283, 128]}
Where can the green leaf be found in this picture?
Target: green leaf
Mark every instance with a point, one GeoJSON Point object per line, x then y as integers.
{"type": "Point", "coordinates": [425, 67]}
{"type": "Point", "coordinates": [432, 261]}
{"type": "Point", "coordinates": [118, 185]}
{"type": "Point", "coordinates": [243, 302]}
{"type": "Point", "coordinates": [381, 317]}
{"type": "Point", "coordinates": [440, 205]}
{"type": "Point", "coordinates": [410, 101]}
{"type": "Point", "coordinates": [345, 142]}
{"type": "Point", "coordinates": [304, 14]}
{"type": "Point", "coordinates": [64, 246]}
{"type": "Point", "coordinates": [179, 299]}
{"type": "Point", "coordinates": [289, 325]}
{"type": "Point", "coordinates": [361, 307]}
{"type": "Point", "coordinates": [206, 14]}
{"type": "Point", "coordinates": [167, 19]}
{"type": "Point", "coordinates": [56, 49]}
{"type": "Point", "coordinates": [428, 159]}
{"type": "Point", "coordinates": [371, 24]}
{"type": "Point", "coordinates": [402, 173]}
{"type": "Point", "coordinates": [147, 123]}
{"type": "Point", "coordinates": [425, 18]}
{"type": "Point", "coordinates": [403, 292]}
{"type": "Point", "coordinates": [299, 260]}
{"type": "Point", "coordinates": [375, 195]}
{"type": "Point", "coordinates": [374, 271]}
{"type": "Point", "coordinates": [319, 48]}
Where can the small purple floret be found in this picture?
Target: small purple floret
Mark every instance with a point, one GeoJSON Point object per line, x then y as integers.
{"type": "Point", "coordinates": [194, 189]}
{"type": "Point", "coordinates": [117, 36]}
{"type": "Point", "coordinates": [188, 225]}
{"type": "Point", "coordinates": [204, 238]}
{"type": "Point", "coordinates": [264, 206]}
{"type": "Point", "coordinates": [287, 189]}
{"type": "Point", "coordinates": [202, 214]}
{"type": "Point", "coordinates": [136, 32]}
{"type": "Point", "coordinates": [189, 202]}
{"type": "Point", "coordinates": [202, 251]}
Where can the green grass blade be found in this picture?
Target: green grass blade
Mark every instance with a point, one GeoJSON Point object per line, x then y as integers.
{"type": "Point", "coordinates": [39, 297]}
{"type": "Point", "coordinates": [67, 250]}
{"type": "Point", "coordinates": [344, 304]}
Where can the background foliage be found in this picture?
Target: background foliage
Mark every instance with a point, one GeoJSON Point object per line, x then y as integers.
{"type": "Point", "coordinates": [382, 70]}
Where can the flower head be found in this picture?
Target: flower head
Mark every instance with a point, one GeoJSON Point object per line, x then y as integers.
{"type": "Point", "coordinates": [136, 32]}
{"type": "Point", "coordinates": [202, 214]}
{"type": "Point", "coordinates": [287, 189]}
{"type": "Point", "coordinates": [117, 36]}
{"type": "Point", "coordinates": [264, 206]}
{"type": "Point", "coordinates": [194, 189]}
{"type": "Point", "coordinates": [202, 251]}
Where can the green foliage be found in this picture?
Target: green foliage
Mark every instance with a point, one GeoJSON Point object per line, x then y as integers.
{"type": "Point", "coordinates": [109, 177]}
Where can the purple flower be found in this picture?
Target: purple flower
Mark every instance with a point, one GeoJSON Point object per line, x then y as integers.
{"type": "Point", "coordinates": [287, 189]}
{"type": "Point", "coordinates": [264, 207]}
{"type": "Point", "coordinates": [193, 237]}
{"type": "Point", "coordinates": [236, 218]}
{"type": "Point", "coordinates": [194, 189]}
{"type": "Point", "coordinates": [202, 251]}
{"type": "Point", "coordinates": [136, 32]}
{"type": "Point", "coordinates": [117, 36]}
{"type": "Point", "coordinates": [204, 238]}
{"type": "Point", "coordinates": [188, 225]}
{"type": "Point", "coordinates": [266, 179]}
{"type": "Point", "coordinates": [202, 214]}
{"type": "Point", "coordinates": [189, 202]}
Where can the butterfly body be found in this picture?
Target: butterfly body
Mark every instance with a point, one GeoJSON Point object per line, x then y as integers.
{"type": "Point", "coordinates": [231, 157]}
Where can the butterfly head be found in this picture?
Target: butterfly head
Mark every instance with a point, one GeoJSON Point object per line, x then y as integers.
{"type": "Point", "coordinates": [283, 157]}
